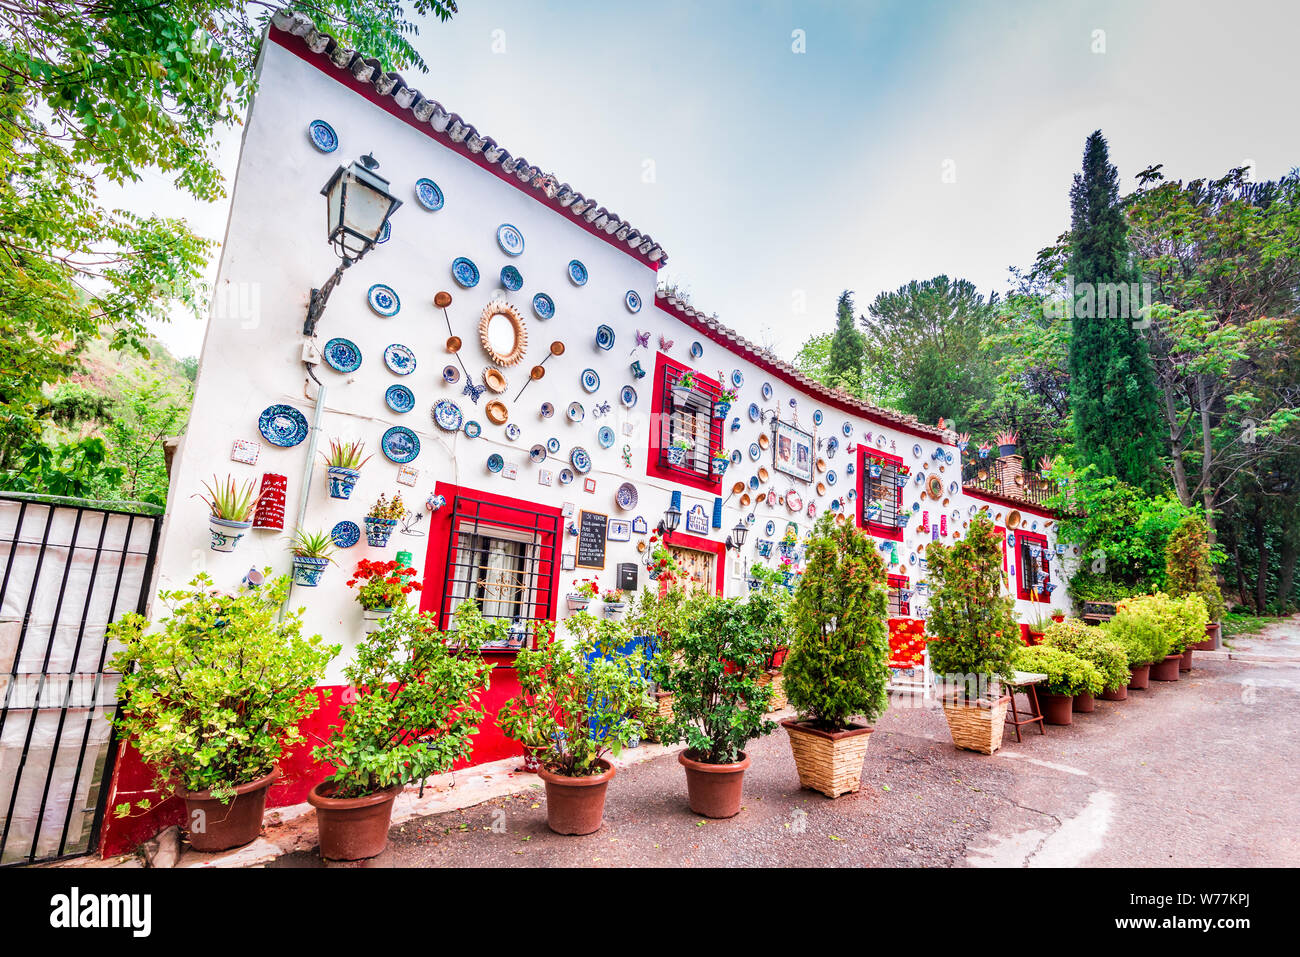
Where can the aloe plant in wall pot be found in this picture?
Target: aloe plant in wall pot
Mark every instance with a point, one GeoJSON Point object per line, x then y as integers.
{"type": "Point", "coordinates": [311, 555]}
{"type": "Point", "coordinates": [212, 695]}
{"type": "Point", "coordinates": [972, 635]}
{"type": "Point", "coordinates": [837, 668]}
{"type": "Point", "coordinates": [411, 711]}
{"type": "Point", "coordinates": [343, 466]}
{"type": "Point", "coordinates": [231, 507]}
{"type": "Point", "coordinates": [578, 704]}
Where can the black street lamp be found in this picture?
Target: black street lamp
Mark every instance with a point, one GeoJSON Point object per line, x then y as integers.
{"type": "Point", "coordinates": [738, 535]}
{"type": "Point", "coordinates": [357, 207]}
{"type": "Point", "coordinates": [672, 518]}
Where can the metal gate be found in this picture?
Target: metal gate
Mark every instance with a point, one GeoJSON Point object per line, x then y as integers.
{"type": "Point", "coordinates": [67, 569]}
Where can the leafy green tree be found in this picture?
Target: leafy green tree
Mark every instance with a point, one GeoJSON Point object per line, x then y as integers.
{"type": "Point", "coordinates": [1187, 565]}
{"type": "Point", "coordinates": [149, 410]}
{"type": "Point", "coordinates": [1113, 393]}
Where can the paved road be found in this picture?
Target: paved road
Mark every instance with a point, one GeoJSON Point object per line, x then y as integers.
{"type": "Point", "coordinates": [1203, 772]}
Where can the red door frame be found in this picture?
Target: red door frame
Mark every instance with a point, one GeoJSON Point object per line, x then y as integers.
{"type": "Point", "coordinates": [719, 549]}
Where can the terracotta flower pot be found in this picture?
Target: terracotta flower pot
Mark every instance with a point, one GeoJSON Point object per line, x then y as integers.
{"type": "Point", "coordinates": [352, 829]}
{"type": "Point", "coordinates": [1186, 663]}
{"type": "Point", "coordinates": [213, 826]}
{"type": "Point", "coordinates": [1118, 693]}
{"type": "Point", "coordinates": [713, 790]}
{"type": "Point", "coordinates": [1057, 708]}
{"type": "Point", "coordinates": [1141, 676]}
{"type": "Point", "coordinates": [1084, 703]}
{"type": "Point", "coordinates": [1166, 670]}
{"type": "Point", "coordinates": [576, 805]}
{"type": "Point", "coordinates": [828, 761]}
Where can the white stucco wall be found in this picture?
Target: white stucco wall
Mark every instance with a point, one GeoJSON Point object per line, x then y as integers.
{"type": "Point", "coordinates": [275, 253]}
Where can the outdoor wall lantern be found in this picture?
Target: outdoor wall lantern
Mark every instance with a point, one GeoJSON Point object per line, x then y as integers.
{"type": "Point", "coordinates": [737, 537]}
{"type": "Point", "coordinates": [672, 518]}
{"type": "Point", "coordinates": [357, 207]}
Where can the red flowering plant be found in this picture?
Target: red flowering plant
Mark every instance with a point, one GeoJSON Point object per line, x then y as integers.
{"type": "Point", "coordinates": [587, 587]}
{"type": "Point", "coordinates": [382, 584]}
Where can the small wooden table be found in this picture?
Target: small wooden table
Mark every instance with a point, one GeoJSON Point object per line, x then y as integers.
{"type": "Point", "coordinates": [1024, 682]}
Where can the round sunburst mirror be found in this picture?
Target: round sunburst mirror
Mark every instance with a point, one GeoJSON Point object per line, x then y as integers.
{"type": "Point", "coordinates": [502, 332]}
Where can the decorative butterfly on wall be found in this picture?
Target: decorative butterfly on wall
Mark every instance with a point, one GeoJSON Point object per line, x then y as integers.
{"type": "Point", "coordinates": [474, 391]}
{"type": "Point", "coordinates": [643, 339]}
{"type": "Point", "coordinates": [665, 343]}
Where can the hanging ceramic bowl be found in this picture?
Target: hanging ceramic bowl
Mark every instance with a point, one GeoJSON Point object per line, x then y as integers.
{"type": "Point", "coordinates": [627, 395]}
{"type": "Point", "coordinates": [496, 412]}
{"type": "Point", "coordinates": [697, 350]}
{"type": "Point", "coordinates": [513, 432]}
{"type": "Point", "coordinates": [400, 445]}
{"type": "Point", "coordinates": [472, 429]}
{"type": "Point", "coordinates": [553, 445]}
{"type": "Point", "coordinates": [575, 412]}
{"type": "Point", "coordinates": [495, 463]}
{"type": "Point", "coordinates": [736, 457]}
{"type": "Point", "coordinates": [847, 429]}
{"type": "Point", "coordinates": [604, 337]}
{"type": "Point", "coordinates": [754, 451]}
{"type": "Point", "coordinates": [399, 359]}
{"type": "Point", "coordinates": [831, 478]}
{"type": "Point", "coordinates": [632, 301]}
{"type": "Point", "coordinates": [764, 441]}
{"type": "Point", "coordinates": [766, 390]}
{"type": "Point", "coordinates": [547, 410]}
{"type": "Point", "coordinates": [821, 465]}
{"type": "Point", "coordinates": [543, 306]}
{"type": "Point", "coordinates": [762, 474]}
{"type": "Point", "coordinates": [626, 497]}
{"type": "Point", "coordinates": [511, 278]}
{"type": "Point", "coordinates": [753, 483]}
{"type": "Point", "coordinates": [566, 476]}
{"type": "Point", "coordinates": [754, 412]}
{"type": "Point", "coordinates": [464, 272]}
{"type": "Point", "coordinates": [399, 398]}
{"type": "Point", "coordinates": [821, 488]}
{"type": "Point", "coordinates": [817, 416]}
{"type": "Point", "coordinates": [577, 273]}
{"type": "Point", "coordinates": [447, 415]}
{"type": "Point", "coordinates": [590, 380]}
{"type": "Point", "coordinates": [537, 454]}
{"type": "Point", "coordinates": [605, 436]}
{"type": "Point", "coordinates": [737, 378]}
{"type": "Point", "coordinates": [744, 500]}
{"type": "Point", "coordinates": [450, 374]}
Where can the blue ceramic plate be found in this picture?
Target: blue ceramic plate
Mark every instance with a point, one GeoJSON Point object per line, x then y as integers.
{"type": "Point", "coordinates": [553, 445]}
{"type": "Point", "coordinates": [399, 359]}
{"type": "Point", "coordinates": [577, 273]}
{"type": "Point", "coordinates": [632, 301]}
{"type": "Point", "coordinates": [753, 484]}
{"type": "Point", "coordinates": [472, 429]}
{"type": "Point", "coordinates": [605, 436]}
{"type": "Point", "coordinates": [697, 350]}
{"type": "Point", "coordinates": [383, 300]}
{"type": "Point", "coordinates": [322, 136]}
{"type": "Point", "coordinates": [428, 195]}
{"type": "Point", "coordinates": [590, 380]}
{"type": "Point", "coordinates": [830, 477]}
{"type": "Point", "coordinates": [737, 378]}
{"type": "Point", "coordinates": [512, 278]}
{"type": "Point", "coordinates": [400, 444]}
{"type": "Point", "coordinates": [400, 398]}
{"type": "Point", "coordinates": [495, 462]}
{"type": "Point", "coordinates": [847, 429]}
{"type": "Point", "coordinates": [576, 412]}
{"type": "Point", "coordinates": [766, 390]}
{"type": "Point", "coordinates": [754, 451]}
{"type": "Point", "coordinates": [543, 306]}
{"type": "Point", "coordinates": [604, 337]}
{"type": "Point", "coordinates": [345, 534]}
{"type": "Point", "coordinates": [626, 496]}
{"type": "Point", "coordinates": [464, 272]}
{"type": "Point", "coordinates": [282, 425]}
{"type": "Point", "coordinates": [566, 476]}
{"type": "Point", "coordinates": [342, 355]}
{"type": "Point", "coordinates": [450, 374]}
{"type": "Point", "coordinates": [628, 396]}
{"type": "Point", "coordinates": [510, 239]}
{"type": "Point", "coordinates": [754, 412]}
{"type": "Point", "coordinates": [817, 416]}
{"type": "Point", "coordinates": [447, 415]}
{"type": "Point", "coordinates": [513, 431]}
{"type": "Point", "coordinates": [538, 454]}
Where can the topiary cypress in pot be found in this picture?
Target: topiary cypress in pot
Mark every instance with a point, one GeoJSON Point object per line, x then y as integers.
{"type": "Point", "coordinates": [972, 635]}
{"type": "Point", "coordinates": [837, 668]}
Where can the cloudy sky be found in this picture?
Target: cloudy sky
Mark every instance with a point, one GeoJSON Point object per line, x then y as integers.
{"type": "Point", "coordinates": [784, 151]}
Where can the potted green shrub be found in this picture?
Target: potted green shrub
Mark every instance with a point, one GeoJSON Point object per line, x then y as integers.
{"type": "Point", "coordinates": [381, 587]}
{"type": "Point", "coordinates": [712, 669]}
{"type": "Point", "coordinates": [837, 668]}
{"type": "Point", "coordinates": [382, 519]}
{"type": "Point", "coordinates": [1143, 641]}
{"type": "Point", "coordinates": [1167, 616]}
{"type": "Point", "coordinates": [231, 506]}
{"type": "Point", "coordinates": [1188, 572]}
{"type": "Point", "coordinates": [311, 554]}
{"type": "Point", "coordinates": [343, 466]}
{"type": "Point", "coordinates": [1067, 675]}
{"type": "Point", "coordinates": [410, 711]}
{"type": "Point", "coordinates": [971, 635]}
{"type": "Point", "coordinates": [578, 704]}
{"type": "Point", "coordinates": [1193, 618]}
{"type": "Point", "coordinates": [657, 615]}
{"type": "Point", "coordinates": [1099, 649]}
{"type": "Point", "coordinates": [212, 695]}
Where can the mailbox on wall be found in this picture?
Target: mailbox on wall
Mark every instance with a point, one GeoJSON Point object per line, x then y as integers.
{"type": "Point", "coordinates": [627, 576]}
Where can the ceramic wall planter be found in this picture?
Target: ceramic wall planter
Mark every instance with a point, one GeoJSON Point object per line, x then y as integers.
{"type": "Point", "coordinates": [342, 481]}
{"type": "Point", "coordinates": [828, 761]}
{"type": "Point", "coordinates": [720, 409]}
{"type": "Point", "coordinates": [224, 826]}
{"type": "Point", "coordinates": [1057, 708]}
{"type": "Point", "coordinates": [676, 455]}
{"type": "Point", "coordinates": [977, 727]}
{"type": "Point", "coordinates": [714, 790]}
{"type": "Point", "coordinates": [378, 530]}
{"type": "Point", "coordinates": [612, 609]}
{"type": "Point", "coordinates": [352, 829]}
{"type": "Point", "coordinates": [720, 464]}
{"type": "Point", "coordinates": [1084, 703]}
{"type": "Point", "coordinates": [1140, 676]}
{"type": "Point", "coordinates": [1166, 670]}
{"type": "Point", "coordinates": [577, 602]}
{"type": "Point", "coordinates": [225, 534]}
{"type": "Point", "coordinates": [576, 805]}
{"type": "Point", "coordinates": [308, 571]}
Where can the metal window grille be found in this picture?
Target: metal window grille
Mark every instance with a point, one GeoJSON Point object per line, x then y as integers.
{"type": "Point", "coordinates": [881, 490]}
{"type": "Point", "coordinates": [1028, 568]}
{"type": "Point", "coordinates": [504, 558]}
{"type": "Point", "coordinates": [899, 606]}
{"type": "Point", "coordinates": [993, 475]}
{"type": "Point", "coordinates": [692, 421]}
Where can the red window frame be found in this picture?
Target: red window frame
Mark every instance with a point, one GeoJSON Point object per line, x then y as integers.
{"type": "Point", "coordinates": [1023, 560]}
{"type": "Point", "coordinates": [899, 583]}
{"type": "Point", "coordinates": [877, 529]}
{"type": "Point", "coordinates": [656, 463]}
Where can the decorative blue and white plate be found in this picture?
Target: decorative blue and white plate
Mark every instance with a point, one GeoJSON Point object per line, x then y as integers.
{"type": "Point", "coordinates": [400, 444]}
{"type": "Point", "coordinates": [770, 528]}
{"type": "Point", "coordinates": [590, 380]}
{"type": "Point", "coordinates": [447, 415]}
{"type": "Point", "coordinates": [627, 396]}
{"type": "Point", "coordinates": [495, 462]}
{"type": "Point", "coordinates": [577, 273]}
{"type": "Point", "coordinates": [817, 416]}
{"type": "Point", "coordinates": [383, 300]}
{"type": "Point", "coordinates": [566, 476]}
{"type": "Point", "coordinates": [753, 484]}
{"type": "Point", "coordinates": [754, 412]}
{"type": "Point", "coordinates": [464, 272]}
{"type": "Point", "coordinates": [342, 355]}
{"type": "Point", "coordinates": [510, 239]}
{"type": "Point", "coordinates": [697, 350]}
{"type": "Point", "coordinates": [513, 431]}
{"type": "Point", "coordinates": [831, 477]}
{"type": "Point", "coordinates": [766, 390]}
{"type": "Point", "coordinates": [511, 278]}
{"type": "Point", "coordinates": [322, 136]}
{"type": "Point", "coordinates": [282, 425]}
{"type": "Point", "coordinates": [543, 306]}
{"type": "Point", "coordinates": [576, 412]}
{"type": "Point", "coordinates": [450, 374]}
{"type": "Point", "coordinates": [399, 359]}
{"type": "Point", "coordinates": [632, 301]}
{"type": "Point", "coordinates": [604, 337]}
{"type": "Point", "coordinates": [735, 423]}
{"type": "Point", "coordinates": [754, 451]}
{"type": "Point", "coordinates": [537, 453]}
{"type": "Point", "coordinates": [553, 445]}
{"type": "Point", "coordinates": [473, 429]}
{"type": "Point", "coordinates": [428, 195]}
{"type": "Point", "coordinates": [346, 534]}
{"type": "Point", "coordinates": [547, 410]}
{"type": "Point", "coordinates": [580, 460]}
{"type": "Point", "coordinates": [736, 457]}
{"type": "Point", "coordinates": [605, 436]}
{"type": "Point", "coordinates": [737, 378]}
{"type": "Point", "coordinates": [847, 429]}
{"type": "Point", "coordinates": [626, 497]}
{"type": "Point", "coordinates": [386, 233]}
{"type": "Point", "coordinates": [400, 398]}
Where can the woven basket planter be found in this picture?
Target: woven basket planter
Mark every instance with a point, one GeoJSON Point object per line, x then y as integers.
{"type": "Point", "coordinates": [774, 678]}
{"type": "Point", "coordinates": [975, 728]}
{"type": "Point", "coordinates": [828, 761]}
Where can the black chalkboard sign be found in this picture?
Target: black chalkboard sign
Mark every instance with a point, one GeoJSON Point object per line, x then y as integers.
{"type": "Point", "coordinates": [591, 539]}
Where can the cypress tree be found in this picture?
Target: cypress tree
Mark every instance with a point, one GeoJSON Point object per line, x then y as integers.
{"type": "Point", "coordinates": [847, 352]}
{"type": "Point", "coordinates": [1112, 382]}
